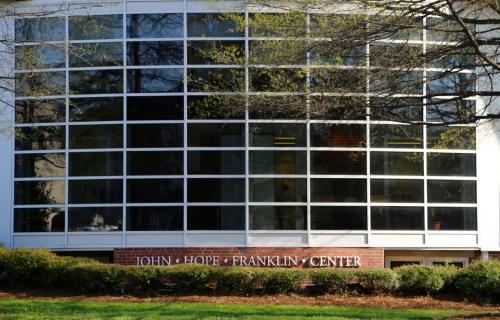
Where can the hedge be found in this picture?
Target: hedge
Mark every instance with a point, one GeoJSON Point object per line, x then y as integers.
{"type": "Point", "coordinates": [41, 269]}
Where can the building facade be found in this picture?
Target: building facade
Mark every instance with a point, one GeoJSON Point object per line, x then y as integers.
{"type": "Point", "coordinates": [137, 141]}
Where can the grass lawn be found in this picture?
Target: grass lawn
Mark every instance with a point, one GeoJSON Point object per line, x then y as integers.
{"type": "Point", "coordinates": [83, 310]}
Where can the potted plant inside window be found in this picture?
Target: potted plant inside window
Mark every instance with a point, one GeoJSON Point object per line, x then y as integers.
{"type": "Point", "coordinates": [436, 225]}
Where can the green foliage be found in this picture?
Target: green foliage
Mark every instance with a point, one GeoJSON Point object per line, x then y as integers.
{"type": "Point", "coordinates": [331, 280]}
{"type": "Point", "coordinates": [277, 281]}
{"type": "Point", "coordinates": [416, 279]}
{"type": "Point", "coordinates": [376, 280]}
{"type": "Point", "coordinates": [480, 281]}
{"type": "Point", "coordinates": [239, 280]}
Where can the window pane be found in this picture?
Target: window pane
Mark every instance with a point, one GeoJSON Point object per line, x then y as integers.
{"type": "Point", "coordinates": [96, 81]}
{"type": "Point", "coordinates": [216, 135]}
{"type": "Point", "coordinates": [338, 80]}
{"type": "Point", "coordinates": [291, 23]}
{"type": "Point", "coordinates": [384, 81]}
{"type": "Point", "coordinates": [451, 191]}
{"type": "Point", "coordinates": [155, 80]}
{"type": "Point", "coordinates": [216, 218]}
{"type": "Point", "coordinates": [340, 54]}
{"type": "Point", "coordinates": [277, 107]}
{"type": "Point", "coordinates": [452, 219]}
{"type": "Point", "coordinates": [449, 111]}
{"type": "Point", "coordinates": [278, 162]}
{"type": "Point", "coordinates": [155, 190]}
{"type": "Point", "coordinates": [278, 52]}
{"type": "Point", "coordinates": [40, 29]}
{"type": "Point", "coordinates": [40, 165]}
{"type": "Point", "coordinates": [155, 108]}
{"type": "Point", "coordinates": [159, 25]}
{"type": "Point", "coordinates": [216, 107]}
{"type": "Point", "coordinates": [451, 164]}
{"type": "Point", "coordinates": [155, 135]}
{"type": "Point", "coordinates": [446, 83]}
{"type": "Point", "coordinates": [41, 138]}
{"type": "Point", "coordinates": [397, 190]}
{"type": "Point", "coordinates": [96, 137]}
{"type": "Point", "coordinates": [96, 164]}
{"type": "Point", "coordinates": [36, 84]}
{"type": "Point", "coordinates": [397, 163]}
{"type": "Point", "coordinates": [395, 136]}
{"type": "Point", "coordinates": [215, 25]}
{"type": "Point", "coordinates": [277, 135]}
{"type": "Point", "coordinates": [397, 218]}
{"type": "Point", "coordinates": [96, 109]}
{"type": "Point", "coordinates": [216, 52]}
{"type": "Point", "coordinates": [155, 218]}
{"type": "Point", "coordinates": [155, 53]}
{"type": "Point", "coordinates": [277, 79]}
{"type": "Point", "coordinates": [44, 56]}
{"type": "Point", "coordinates": [39, 220]}
{"type": "Point", "coordinates": [32, 111]}
{"type": "Point", "coordinates": [95, 27]}
{"type": "Point", "coordinates": [96, 54]}
{"type": "Point", "coordinates": [338, 108]}
{"type": "Point", "coordinates": [278, 218]}
{"type": "Point", "coordinates": [39, 192]}
{"type": "Point", "coordinates": [216, 162]}
{"type": "Point", "coordinates": [338, 135]}
{"type": "Point", "coordinates": [216, 80]}
{"type": "Point", "coordinates": [325, 162]}
{"type": "Point", "coordinates": [155, 163]}
{"type": "Point", "coordinates": [278, 190]}
{"type": "Point", "coordinates": [441, 137]}
{"type": "Point", "coordinates": [96, 219]}
{"type": "Point", "coordinates": [216, 190]}
{"type": "Point", "coordinates": [338, 218]}
{"type": "Point", "coordinates": [96, 191]}
{"type": "Point", "coordinates": [338, 190]}
{"type": "Point", "coordinates": [395, 55]}
{"type": "Point", "coordinates": [396, 109]}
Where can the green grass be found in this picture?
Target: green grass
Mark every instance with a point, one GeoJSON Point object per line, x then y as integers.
{"type": "Point", "coordinates": [52, 309]}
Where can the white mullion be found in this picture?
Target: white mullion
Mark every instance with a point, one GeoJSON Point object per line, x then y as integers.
{"type": "Point", "coordinates": [368, 150]}
{"type": "Point", "coordinates": [424, 132]}
{"type": "Point", "coordinates": [66, 153]}
{"type": "Point", "coordinates": [247, 136]}
{"type": "Point", "coordinates": [308, 131]}
{"type": "Point", "coordinates": [185, 150]}
{"type": "Point", "coordinates": [124, 125]}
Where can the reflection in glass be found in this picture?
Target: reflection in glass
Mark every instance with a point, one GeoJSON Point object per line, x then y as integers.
{"type": "Point", "coordinates": [155, 135]}
{"type": "Point", "coordinates": [43, 56]}
{"type": "Point", "coordinates": [40, 29]}
{"type": "Point", "coordinates": [155, 53]}
{"type": "Point", "coordinates": [338, 135]}
{"type": "Point", "coordinates": [95, 219]}
{"type": "Point", "coordinates": [96, 81]}
{"type": "Point", "coordinates": [216, 80]}
{"type": "Point", "coordinates": [32, 111]}
{"type": "Point", "coordinates": [39, 192]}
{"type": "Point", "coordinates": [41, 138]}
{"type": "Point", "coordinates": [452, 219]}
{"type": "Point", "coordinates": [40, 165]}
{"type": "Point", "coordinates": [396, 136]}
{"type": "Point", "coordinates": [278, 190]}
{"type": "Point", "coordinates": [154, 80]}
{"type": "Point", "coordinates": [157, 25]}
{"type": "Point", "coordinates": [451, 164]}
{"type": "Point", "coordinates": [214, 25]}
{"type": "Point", "coordinates": [397, 218]}
{"type": "Point", "coordinates": [277, 107]}
{"type": "Point", "coordinates": [154, 218]}
{"type": "Point", "coordinates": [449, 111]}
{"type": "Point", "coordinates": [338, 162]}
{"type": "Point", "coordinates": [155, 190]}
{"type": "Point", "coordinates": [216, 218]}
{"type": "Point", "coordinates": [216, 162]}
{"type": "Point", "coordinates": [395, 55]}
{"type": "Point", "coordinates": [36, 84]}
{"type": "Point", "coordinates": [216, 190]}
{"type": "Point", "coordinates": [278, 218]}
{"type": "Point", "coordinates": [384, 81]}
{"type": "Point", "coordinates": [278, 52]}
{"type": "Point", "coordinates": [95, 191]}
{"type": "Point", "coordinates": [96, 164]}
{"type": "Point", "coordinates": [397, 190]}
{"type": "Point", "coordinates": [216, 107]}
{"type": "Point", "coordinates": [338, 190]}
{"type": "Point", "coordinates": [216, 52]}
{"type": "Point", "coordinates": [277, 79]}
{"type": "Point", "coordinates": [396, 109]}
{"type": "Point", "coordinates": [96, 54]}
{"type": "Point", "coordinates": [271, 24]}
{"type": "Point", "coordinates": [277, 135]}
{"type": "Point", "coordinates": [397, 163]}
{"type": "Point", "coordinates": [443, 137]}
{"type": "Point", "coordinates": [96, 109]}
{"type": "Point", "coordinates": [338, 80]}
{"type": "Point", "coordinates": [155, 108]}
{"type": "Point", "coordinates": [451, 191]}
{"type": "Point", "coordinates": [39, 220]}
{"type": "Point", "coordinates": [91, 27]}
{"type": "Point", "coordinates": [338, 218]}
{"type": "Point", "coordinates": [278, 162]}
{"type": "Point", "coordinates": [216, 135]}
{"type": "Point", "coordinates": [338, 108]}
{"type": "Point", "coordinates": [339, 54]}
{"type": "Point", "coordinates": [155, 163]}
{"type": "Point", "coordinates": [94, 137]}
{"type": "Point", "coordinates": [446, 83]}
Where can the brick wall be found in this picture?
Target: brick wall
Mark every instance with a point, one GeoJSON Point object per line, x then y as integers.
{"type": "Point", "coordinates": [368, 257]}
{"type": "Point", "coordinates": [492, 255]}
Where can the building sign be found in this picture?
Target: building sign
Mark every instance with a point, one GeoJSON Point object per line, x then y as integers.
{"type": "Point", "coordinates": [253, 261]}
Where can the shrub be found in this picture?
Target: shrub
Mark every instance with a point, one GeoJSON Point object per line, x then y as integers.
{"type": "Point", "coordinates": [238, 280]}
{"type": "Point", "coordinates": [416, 279]}
{"type": "Point", "coordinates": [376, 280]}
{"type": "Point", "coordinates": [189, 278]}
{"type": "Point", "coordinates": [277, 281]}
{"type": "Point", "coordinates": [331, 280]}
{"type": "Point", "coordinates": [480, 281]}
{"type": "Point", "coordinates": [25, 267]}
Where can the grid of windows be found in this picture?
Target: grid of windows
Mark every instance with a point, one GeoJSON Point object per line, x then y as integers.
{"type": "Point", "coordinates": [131, 135]}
